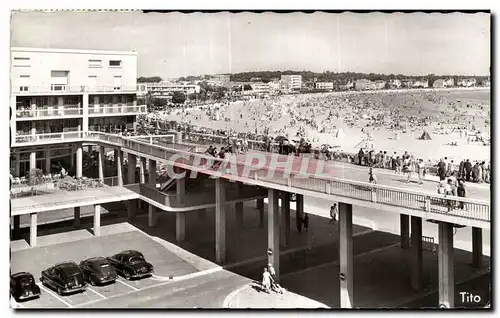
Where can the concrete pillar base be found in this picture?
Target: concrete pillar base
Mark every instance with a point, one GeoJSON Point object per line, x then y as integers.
{"type": "Point", "coordinates": [220, 221]}
{"type": "Point", "coordinates": [346, 256]}
{"type": "Point", "coordinates": [446, 266]}
{"type": "Point", "coordinates": [152, 215]}
{"type": "Point", "coordinates": [477, 247]}
{"type": "Point", "coordinates": [417, 262]}
{"type": "Point", "coordinates": [273, 231]}
{"type": "Point", "coordinates": [17, 226]}
{"type": "Point", "coordinates": [97, 220]}
{"type": "Point", "coordinates": [33, 229]}
{"type": "Point", "coordinates": [405, 231]}
{"type": "Point", "coordinates": [180, 226]}
{"type": "Point", "coordinates": [76, 219]}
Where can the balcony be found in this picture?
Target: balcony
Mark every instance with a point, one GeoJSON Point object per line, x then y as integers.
{"type": "Point", "coordinates": [49, 112]}
{"type": "Point", "coordinates": [69, 89]}
{"type": "Point", "coordinates": [116, 109]}
{"type": "Point", "coordinates": [28, 138]}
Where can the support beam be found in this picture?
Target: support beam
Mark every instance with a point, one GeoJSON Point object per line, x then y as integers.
{"type": "Point", "coordinates": [416, 259]}
{"type": "Point", "coordinates": [100, 163]}
{"type": "Point", "coordinates": [72, 157]}
{"type": "Point", "coordinates": [152, 216]}
{"type": "Point", "coordinates": [181, 190]}
{"type": "Point", "coordinates": [97, 220]}
{"type": "Point", "coordinates": [346, 256]}
{"type": "Point", "coordinates": [119, 165]}
{"type": "Point", "coordinates": [33, 229]}
{"type": "Point", "coordinates": [285, 219]}
{"type": "Point", "coordinates": [17, 226]}
{"type": "Point", "coordinates": [220, 221]}
{"type": "Point", "coordinates": [131, 204]}
{"type": "Point", "coordinates": [446, 266]}
{"type": "Point", "coordinates": [76, 218]}
{"type": "Point", "coordinates": [273, 231]}
{"type": "Point", "coordinates": [48, 166]}
{"type": "Point", "coordinates": [142, 169]}
{"type": "Point", "coordinates": [299, 211]}
{"type": "Point", "coordinates": [152, 172]}
{"type": "Point", "coordinates": [89, 149]}
{"type": "Point", "coordinates": [238, 208]}
{"type": "Point", "coordinates": [260, 208]}
{"type": "Point", "coordinates": [18, 164]}
{"type": "Point", "coordinates": [405, 230]}
{"type": "Point", "coordinates": [180, 226]}
{"type": "Point", "coordinates": [79, 161]}
{"type": "Point", "coordinates": [32, 159]}
{"type": "Point", "coordinates": [477, 247]}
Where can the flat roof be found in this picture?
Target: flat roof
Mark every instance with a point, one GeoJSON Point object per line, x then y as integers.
{"type": "Point", "coordinates": [69, 51]}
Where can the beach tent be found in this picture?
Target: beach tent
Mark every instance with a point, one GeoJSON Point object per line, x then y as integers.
{"type": "Point", "coordinates": [425, 136]}
{"type": "Point", "coordinates": [340, 133]}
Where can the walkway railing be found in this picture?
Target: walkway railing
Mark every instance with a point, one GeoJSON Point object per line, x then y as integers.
{"type": "Point", "coordinates": [117, 109]}
{"type": "Point", "coordinates": [54, 111]}
{"type": "Point", "coordinates": [405, 198]}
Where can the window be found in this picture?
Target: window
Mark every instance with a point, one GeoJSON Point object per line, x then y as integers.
{"type": "Point", "coordinates": [24, 83]}
{"type": "Point", "coordinates": [21, 62]}
{"type": "Point", "coordinates": [95, 63]}
{"type": "Point", "coordinates": [115, 63]}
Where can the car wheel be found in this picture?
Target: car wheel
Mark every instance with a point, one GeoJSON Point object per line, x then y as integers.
{"type": "Point", "coordinates": [126, 274]}
{"type": "Point", "coordinates": [92, 281]}
{"type": "Point", "coordinates": [59, 291]}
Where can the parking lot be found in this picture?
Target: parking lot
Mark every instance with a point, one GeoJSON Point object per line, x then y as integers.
{"type": "Point", "coordinates": [36, 260]}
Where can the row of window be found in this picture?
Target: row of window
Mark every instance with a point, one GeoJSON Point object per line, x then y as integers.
{"type": "Point", "coordinates": [25, 62]}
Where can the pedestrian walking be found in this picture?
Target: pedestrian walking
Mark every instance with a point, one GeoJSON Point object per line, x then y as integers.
{"type": "Point", "coordinates": [371, 176]}
{"type": "Point", "coordinates": [420, 170]}
{"type": "Point", "coordinates": [334, 217]}
{"type": "Point", "coordinates": [461, 192]}
{"type": "Point", "coordinates": [266, 280]}
{"type": "Point", "coordinates": [306, 221]}
{"type": "Point", "coordinates": [468, 170]}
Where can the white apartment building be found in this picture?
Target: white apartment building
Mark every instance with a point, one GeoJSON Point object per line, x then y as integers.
{"type": "Point", "coordinates": [54, 91]}
{"type": "Point", "coordinates": [324, 85]}
{"type": "Point", "coordinates": [291, 82]}
{"type": "Point", "coordinates": [164, 90]}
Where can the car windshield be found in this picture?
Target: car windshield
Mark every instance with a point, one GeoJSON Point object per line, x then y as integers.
{"type": "Point", "coordinates": [136, 259]}
{"type": "Point", "coordinates": [105, 269]}
{"type": "Point", "coordinates": [26, 281]}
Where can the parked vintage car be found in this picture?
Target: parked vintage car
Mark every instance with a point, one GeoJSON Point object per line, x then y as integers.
{"type": "Point", "coordinates": [98, 270]}
{"type": "Point", "coordinates": [131, 264]}
{"type": "Point", "coordinates": [23, 286]}
{"type": "Point", "coordinates": [65, 278]}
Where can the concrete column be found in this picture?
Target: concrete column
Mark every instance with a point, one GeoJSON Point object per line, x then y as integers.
{"type": "Point", "coordinates": [89, 149]}
{"type": "Point", "coordinates": [260, 208]}
{"type": "Point", "coordinates": [132, 163]}
{"type": "Point", "coordinates": [220, 220]}
{"type": "Point", "coordinates": [97, 220]}
{"type": "Point", "coordinates": [131, 204]}
{"type": "Point", "coordinates": [119, 166]}
{"type": "Point", "coordinates": [416, 259]}
{"type": "Point", "coordinates": [100, 163]}
{"type": "Point", "coordinates": [17, 226]}
{"type": "Point", "coordinates": [285, 219]}
{"type": "Point", "coordinates": [446, 266]}
{"type": "Point", "coordinates": [76, 219]}
{"type": "Point", "coordinates": [299, 211]}
{"type": "Point", "coordinates": [79, 160]}
{"type": "Point", "coordinates": [152, 172]}
{"type": "Point", "coordinates": [85, 106]}
{"type": "Point", "coordinates": [180, 226]}
{"type": "Point", "coordinates": [273, 231]}
{"type": "Point", "coordinates": [32, 159]}
{"type": "Point", "coordinates": [405, 230]}
{"type": "Point", "coordinates": [18, 164]}
{"type": "Point", "coordinates": [142, 169]}
{"type": "Point", "coordinates": [346, 256]}
{"type": "Point", "coordinates": [33, 229]}
{"type": "Point", "coordinates": [152, 215]}
{"type": "Point", "coordinates": [477, 247]}
{"type": "Point", "coordinates": [72, 157]}
{"type": "Point", "coordinates": [181, 190]}
{"type": "Point", "coordinates": [48, 166]}
{"type": "Point", "coordinates": [238, 208]}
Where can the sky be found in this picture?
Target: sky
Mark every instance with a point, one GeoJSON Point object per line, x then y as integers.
{"type": "Point", "coordinates": [176, 44]}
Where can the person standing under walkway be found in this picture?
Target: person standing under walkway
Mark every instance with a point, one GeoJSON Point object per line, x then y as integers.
{"type": "Point", "coordinates": [334, 213]}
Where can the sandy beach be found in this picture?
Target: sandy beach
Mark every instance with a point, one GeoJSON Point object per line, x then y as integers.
{"type": "Point", "coordinates": [391, 120]}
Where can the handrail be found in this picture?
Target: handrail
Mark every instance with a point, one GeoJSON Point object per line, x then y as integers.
{"type": "Point", "coordinates": [383, 194]}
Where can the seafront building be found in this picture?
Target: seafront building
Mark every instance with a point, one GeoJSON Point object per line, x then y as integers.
{"type": "Point", "coordinates": [55, 91]}
{"type": "Point", "coordinates": [291, 83]}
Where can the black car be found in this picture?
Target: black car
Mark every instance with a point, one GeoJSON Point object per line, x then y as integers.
{"type": "Point", "coordinates": [98, 270]}
{"type": "Point", "coordinates": [131, 264]}
{"type": "Point", "coordinates": [23, 286]}
{"type": "Point", "coordinates": [65, 278]}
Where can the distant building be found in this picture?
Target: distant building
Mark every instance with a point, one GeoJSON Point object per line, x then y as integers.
{"type": "Point", "coordinates": [421, 84]}
{"type": "Point", "coordinates": [324, 85]}
{"type": "Point", "coordinates": [363, 84]}
{"type": "Point", "coordinates": [378, 84]}
{"type": "Point", "coordinates": [291, 83]}
{"type": "Point", "coordinates": [274, 87]}
{"type": "Point", "coordinates": [469, 82]}
{"type": "Point", "coordinates": [164, 90]}
{"type": "Point", "coordinates": [486, 83]}
{"type": "Point", "coordinates": [395, 83]}
{"type": "Point", "coordinates": [222, 78]}
{"type": "Point", "coordinates": [142, 89]}
{"type": "Point", "coordinates": [439, 83]}
{"type": "Point", "coordinates": [255, 79]}
{"type": "Point", "coordinates": [407, 83]}
{"type": "Point", "coordinates": [450, 82]}
{"type": "Point", "coordinates": [260, 89]}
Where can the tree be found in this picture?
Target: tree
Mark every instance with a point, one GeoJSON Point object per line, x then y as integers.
{"type": "Point", "coordinates": [35, 178]}
{"type": "Point", "coordinates": [153, 79]}
{"type": "Point", "coordinates": [178, 98]}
